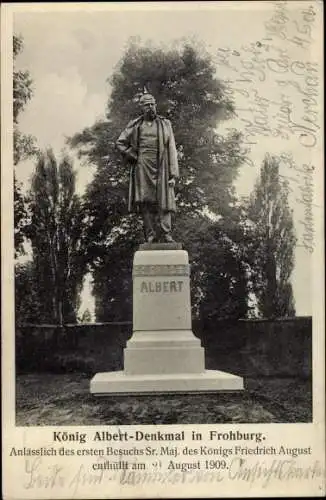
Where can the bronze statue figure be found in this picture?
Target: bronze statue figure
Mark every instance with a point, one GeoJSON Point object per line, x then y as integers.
{"type": "Point", "coordinates": [148, 145]}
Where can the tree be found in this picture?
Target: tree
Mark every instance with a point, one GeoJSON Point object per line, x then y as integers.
{"type": "Point", "coordinates": [275, 241]}
{"type": "Point", "coordinates": [24, 145]}
{"type": "Point", "coordinates": [56, 233]}
{"type": "Point", "coordinates": [20, 218]}
{"type": "Point", "coordinates": [28, 308]}
{"type": "Point", "coordinates": [187, 91]}
{"type": "Point", "coordinates": [218, 269]}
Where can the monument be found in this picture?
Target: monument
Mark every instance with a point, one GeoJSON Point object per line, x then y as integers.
{"type": "Point", "coordinates": [163, 355]}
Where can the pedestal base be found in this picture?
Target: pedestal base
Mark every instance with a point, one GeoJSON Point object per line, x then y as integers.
{"type": "Point", "coordinates": [104, 384]}
{"type": "Point", "coordinates": [163, 352]}
{"type": "Point", "coordinates": [163, 355]}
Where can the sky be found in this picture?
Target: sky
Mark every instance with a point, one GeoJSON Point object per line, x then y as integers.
{"type": "Point", "coordinates": [72, 53]}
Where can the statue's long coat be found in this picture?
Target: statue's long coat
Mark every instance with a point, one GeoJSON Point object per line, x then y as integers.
{"type": "Point", "coordinates": [128, 145]}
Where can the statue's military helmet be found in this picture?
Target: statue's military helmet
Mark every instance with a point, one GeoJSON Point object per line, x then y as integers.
{"type": "Point", "coordinates": [147, 98]}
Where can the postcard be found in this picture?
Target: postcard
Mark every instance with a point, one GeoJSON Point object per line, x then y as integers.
{"type": "Point", "coordinates": [162, 257]}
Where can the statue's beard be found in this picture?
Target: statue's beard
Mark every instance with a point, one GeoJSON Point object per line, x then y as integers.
{"type": "Point", "coordinates": [150, 115]}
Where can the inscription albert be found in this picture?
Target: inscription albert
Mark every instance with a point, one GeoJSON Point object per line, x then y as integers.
{"type": "Point", "coordinates": [161, 286]}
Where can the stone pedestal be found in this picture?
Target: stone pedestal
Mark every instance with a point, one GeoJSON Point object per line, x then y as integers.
{"type": "Point", "coordinates": [163, 355]}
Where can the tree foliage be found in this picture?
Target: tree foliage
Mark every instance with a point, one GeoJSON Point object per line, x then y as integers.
{"type": "Point", "coordinates": [24, 145]}
{"type": "Point", "coordinates": [56, 233]}
{"type": "Point", "coordinates": [187, 91]}
{"type": "Point", "coordinates": [20, 218]}
{"type": "Point", "coordinates": [218, 267]}
{"type": "Point", "coordinates": [275, 240]}
{"type": "Point", "coordinates": [28, 307]}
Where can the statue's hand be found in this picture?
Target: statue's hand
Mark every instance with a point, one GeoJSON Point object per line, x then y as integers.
{"type": "Point", "coordinates": [172, 182]}
{"type": "Point", "coordinates": [131, 155]}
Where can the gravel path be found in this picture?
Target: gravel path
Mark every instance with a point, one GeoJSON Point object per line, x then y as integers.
{"type": "Point", "coordinates": [45, 399]}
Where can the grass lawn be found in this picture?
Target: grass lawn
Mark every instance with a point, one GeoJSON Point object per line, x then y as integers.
{"type": "Point", "coordinates": [64, 399]}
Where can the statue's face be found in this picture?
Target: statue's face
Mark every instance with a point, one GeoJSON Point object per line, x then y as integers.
{"type": "Point", "coordinates": [149, 110]}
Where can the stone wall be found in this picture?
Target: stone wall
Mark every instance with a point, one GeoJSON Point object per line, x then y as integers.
{"type": "Point", "coordinates": [252, 348]}
{"type": "Point", "coordinates": [260, 347]}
